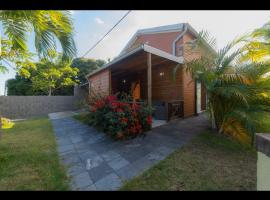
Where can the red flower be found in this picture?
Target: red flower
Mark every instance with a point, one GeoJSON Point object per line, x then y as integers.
{"type": "Point", "coordinates": [100, 104]}
{"type": "Point", "coordinates": [135, 106]}
{"type": "Point", "coordinates": [149, 120]}
{"type": "Point", "coordinates": [93, 109]}
{"type": "Point", "coordinates": [124, 120]}
{"type": "Point", "coordinates": [139, 127]}
{"type": "Point", "coordinates": [111, 98]}
{"type": "Point", "coordinates": [119, 110]}
{"type": "Point", "coordinates": [114, 104]}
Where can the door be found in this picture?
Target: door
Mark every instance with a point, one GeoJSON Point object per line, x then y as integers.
{"type": "Point", "coordinates": [198, 94]}
{"type": "Point", "coordinates": [136, 90]}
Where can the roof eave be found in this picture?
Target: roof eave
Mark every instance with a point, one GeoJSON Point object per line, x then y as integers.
{"type": "Point", "coordinates": [117, 59]}
{"type": "Point", "coordinates": [146, 48]}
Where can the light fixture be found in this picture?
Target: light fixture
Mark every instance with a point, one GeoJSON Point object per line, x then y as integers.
{"type": "Point", "coordinates": [161, 73]}
{"type": "Point", "coordinates": [124, 81]}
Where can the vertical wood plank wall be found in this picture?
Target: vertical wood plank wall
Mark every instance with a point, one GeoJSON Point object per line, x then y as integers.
{"type": "Point", "coordinates": [164, 88]}
{"type": "Point", "coordinates": [149, 79]}
{"type": "Point", "coordinates": [101, 82]}
{"type": "Point", "coordinates": [188, 83]}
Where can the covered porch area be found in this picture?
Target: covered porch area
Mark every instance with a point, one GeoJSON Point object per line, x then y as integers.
{"type": "Point", "coordinates": [147, 75]}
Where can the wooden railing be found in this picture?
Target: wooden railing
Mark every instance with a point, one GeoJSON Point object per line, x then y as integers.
{"type": "Point", "coordinates": [175, 109]}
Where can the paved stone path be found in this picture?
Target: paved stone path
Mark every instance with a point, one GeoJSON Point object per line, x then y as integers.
{"type": "Point", "coordinates": [94, 161]}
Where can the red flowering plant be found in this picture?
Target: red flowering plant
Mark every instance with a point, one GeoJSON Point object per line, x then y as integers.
{"type": "Point", "coordinates": [120, 117]}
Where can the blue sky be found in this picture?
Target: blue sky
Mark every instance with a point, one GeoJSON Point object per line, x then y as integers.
{"type": "Point", "coordinates": [90, 26]}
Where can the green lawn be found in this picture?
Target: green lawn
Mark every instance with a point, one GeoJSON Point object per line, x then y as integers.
{"type": "Point", "coordinates": [28, 158]}
{"type": "Point", "coordinates": [264, 123]}
{"type": "Point", "coordinates": [209, 162]}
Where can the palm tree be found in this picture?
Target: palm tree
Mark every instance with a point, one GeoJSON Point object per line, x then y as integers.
{"type": "Point", "coordinates": [257, 45]}
{"type": "Point", "coordinates": [235, 90]}
{"type": "Point", "coordinates": [47, 26]}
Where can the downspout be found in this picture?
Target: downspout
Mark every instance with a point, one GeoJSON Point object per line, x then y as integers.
{"type": "Point", "coordinates": [174, 53]}
{"type": "Point", "coordinates": [195, 89]}
{"type": "Point", "coordinates": [178, 37]}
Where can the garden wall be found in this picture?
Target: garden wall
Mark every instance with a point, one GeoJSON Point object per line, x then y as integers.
{"type": "Point", "coordinates": [15, 107]}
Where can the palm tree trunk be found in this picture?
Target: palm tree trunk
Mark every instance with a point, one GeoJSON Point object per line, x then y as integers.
{"type": "Point", "coordinates": [213, 120]}
{"type": "Point", "coordinates": [220, 131]}
{"type": "Point", "coordinates": [50, 92]}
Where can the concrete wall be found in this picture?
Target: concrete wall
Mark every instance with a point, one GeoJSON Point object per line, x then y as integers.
{"type": "Point", "coordinates": [263, 162]}
{"type": "Point", "coordinates": [30, 106]}
{"type": "Point", "coordinates": [15, 107]}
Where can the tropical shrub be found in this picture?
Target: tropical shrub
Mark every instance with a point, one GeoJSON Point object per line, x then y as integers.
{"type": "Point", "coordinates": [236, 90]}
{"type": "Point", "coordinates": [118, 117]}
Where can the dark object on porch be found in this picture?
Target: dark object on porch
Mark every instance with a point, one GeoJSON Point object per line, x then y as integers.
{"type": "Point", "coordinates": [160, 110]}
{"type": "Point", "coordinates": [175, 109]}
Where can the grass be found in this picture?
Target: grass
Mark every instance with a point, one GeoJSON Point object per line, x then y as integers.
{"type": "Point", "coordinates": [28, 158]}
{"type": "Point", "coordinates": [82, 117]}
{"type": "Point", "coordinates": [208, 162]}
{"type": "Point", "coordinates": [263, 125]}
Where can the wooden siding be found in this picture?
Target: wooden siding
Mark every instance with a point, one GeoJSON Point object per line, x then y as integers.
{"type": "Point", "coordinates": [188, 83]}
{"type": "Point", "coordinates": [100, 82]}
{"type": "Point", "coordinates": [164, 88]}
{"type": "Point", "coordinates": [178, 44]}
{"type": "Point", "coordinates": [189, 94]}
{"type": "Point", "coordinates": [203, 98]}
{"type": "Point", "coordinates": [162, 41]}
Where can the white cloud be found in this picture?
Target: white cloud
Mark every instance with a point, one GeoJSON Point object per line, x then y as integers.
{"type": "Point", "coordinates": [99, 21]}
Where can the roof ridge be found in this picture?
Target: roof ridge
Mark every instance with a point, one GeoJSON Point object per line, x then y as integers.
{"type": "Point", "coordinates": [162, 28]}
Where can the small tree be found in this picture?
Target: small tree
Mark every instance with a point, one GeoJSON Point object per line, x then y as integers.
{"type": "Point", "coordinates": [53, 73]}
{"type": "Point", "coordinates": [86, 66]}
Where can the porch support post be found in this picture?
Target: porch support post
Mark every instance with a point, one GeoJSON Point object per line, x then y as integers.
{"type": "Point", "coordinates": [149, 79]}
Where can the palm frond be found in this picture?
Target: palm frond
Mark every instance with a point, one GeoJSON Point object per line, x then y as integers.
{"type": "Point", "coordinates": [48, 26]}
{"type": "Point", "coordinates": [3, 69]}
{"type": "Point", "coordinates": [204, 38]}
{"type": "Point", "coordinates": [16, 31]}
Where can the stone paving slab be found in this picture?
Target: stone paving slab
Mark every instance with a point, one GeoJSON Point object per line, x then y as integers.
{"type": "Point", "coordinates": [94, 161]}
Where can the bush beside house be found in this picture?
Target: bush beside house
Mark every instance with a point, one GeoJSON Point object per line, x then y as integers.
{"type": "Point", "coordinates": [120, 118]}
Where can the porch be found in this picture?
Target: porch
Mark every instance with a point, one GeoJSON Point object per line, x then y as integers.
{"type": "Point", "coordinates": [148, 77]}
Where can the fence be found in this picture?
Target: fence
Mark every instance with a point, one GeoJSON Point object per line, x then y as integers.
{"type": "Point", "coordinates": [31, 106]}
